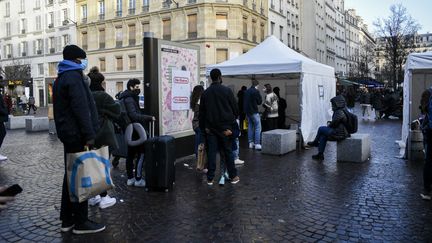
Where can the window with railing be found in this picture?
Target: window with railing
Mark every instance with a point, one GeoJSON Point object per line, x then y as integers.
{"type": "Point", "coordinates": [22, 6]}
{"type": "Point", "coordinates": [7, 9]}
{"type": "Point", "coordinates": [51, 20]}
{"type": "Point", "coordinates": [145, 6]}
{"type": "Point", "coordinates": [37, 4]}
{"type": "Point", "coordinates": [245, 28]}
{"type": "Point", "coordinates": [102, 64]}
{"type": "Point", "coordinates": [262, 32]}
{"type": "Point", "coordinates": [191, 1]}
{"type": "Point", "coordinates": [101, 38]}
{"type": "Point", "coordinates": [8, 29]}
{"type": "Point", "coordinates": [192, 26]}
{"type": "Point", "coordinates": [221, 26]}
{"type": "Point", "coordinates": [166, 24]}
{"type": "Point", "coordinates": [221, 55]}
{"type": "Point", "coordinates": [254, 38]}
{"type": "Point", "coordinates": [50, 2]}
{"type": "Point", "coordinates": [119, 63]}
{"type": "Point", "coordinates": [119, 36]}
{"type": "Point", "coordinates": [132, 6]}
{"type": "Point", "coordinates": [101, 9]}
{"type": "Point", "coordinates": [132, 62]}
{"type": "Point", "coordinates": [132, 35]}
{"type": "Point", "coordinates": [84, 13]}
{"type": "Point", "coordinates": [84, 40]}
{"type": "Point", "coordinates": [166, 4]}
{"type": "Point", "coordinates": [41, 68]}
{"type": "Point", "coordinates": [119, 8]}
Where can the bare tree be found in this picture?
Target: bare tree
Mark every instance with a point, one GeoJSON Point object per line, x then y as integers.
{"type": "Point", "coordinates": [396, 36]}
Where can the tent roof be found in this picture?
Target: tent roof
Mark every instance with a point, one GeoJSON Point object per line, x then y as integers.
{"type": "Point", "coordinates": [271, 57]}
{"type": "Point", "coordinates": [419, 61]}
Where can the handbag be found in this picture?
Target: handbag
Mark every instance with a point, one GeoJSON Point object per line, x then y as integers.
{"type": "Point", "coordinates": [202, 157]}
{"type": "Point", "coordinates": [88, 174]}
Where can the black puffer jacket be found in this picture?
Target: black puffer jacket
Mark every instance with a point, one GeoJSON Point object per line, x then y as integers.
{"type": "Point", "coordinates": [75, 113]}
{"type": "Point", "coordinates": [339, 119]}
{"type": "Point", "coordinates": [133, 110]}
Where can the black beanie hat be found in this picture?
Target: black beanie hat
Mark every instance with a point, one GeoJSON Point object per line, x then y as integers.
{"type": "Point", "coordinates": [72, 52]}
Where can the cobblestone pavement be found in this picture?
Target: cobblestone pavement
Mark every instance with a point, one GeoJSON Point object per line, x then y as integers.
{"type": "Point", "coordinates": [287, 198]}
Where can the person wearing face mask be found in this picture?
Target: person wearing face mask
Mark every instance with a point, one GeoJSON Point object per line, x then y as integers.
{"type": "Point", "coordinates": [131, 101]}
{"type": "Point", "coordinates": [76, 121]}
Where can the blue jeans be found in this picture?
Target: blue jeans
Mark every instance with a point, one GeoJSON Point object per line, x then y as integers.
{"type": "Point", "coordinates": [322, 136]}
{"type": "Point", "coordinates": [223, 145]}
{"type": "Point", "coordinates": [254, 128]}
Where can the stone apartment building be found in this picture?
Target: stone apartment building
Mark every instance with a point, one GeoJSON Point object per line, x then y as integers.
{"type": "Point", "coordinates": [352, 31]}
{"type": "Point", "coordinates": [340, 39]}
{"type": "Point", "coordinates": [33, 33]}
{"type": "Point", "coordinates": [111, 31]}
{"type": "Point", "coordinates": [284, 21]}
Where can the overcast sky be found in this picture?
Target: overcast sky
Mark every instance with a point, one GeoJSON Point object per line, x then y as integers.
{"type": "Point", "coordinates": [370, 10]}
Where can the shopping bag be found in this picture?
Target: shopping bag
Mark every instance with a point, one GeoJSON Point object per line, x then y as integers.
{"type": "Point", "coordinates": [245, 124]}
{"type": "Point", "coordinates": [202, 157]}
{"type": "Point", "coordinates": [88, 173]}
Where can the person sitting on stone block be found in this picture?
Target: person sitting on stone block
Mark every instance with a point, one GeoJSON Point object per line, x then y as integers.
{"type": "Point", "coordinates": [335, 129]}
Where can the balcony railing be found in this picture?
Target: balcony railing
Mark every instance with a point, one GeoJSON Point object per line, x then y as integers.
{"type": "Point", "coordinates": [272, 6]}
{"type": "Point", "coordinates": [118, 13]}
{"type": "Point", "coordinates": [221, 33]}
{"type": "Point", "coordinates": [23, 54]}
{"type": "Point", "coordinates": [119, 43]}
{"type": "Point", "coordinates": [102, 45]}
{"type": "Point", "coordinates": [167, 37]}
{"type": "Point", "coordinates": [254, 6]}
{"type": "Point", "coordinates": [245, 36]}
{"type": "Point", "coordinates": [9, 55]}
{"type": "Point", "coordinates": [65, 22]}
{"type": "Point", "coordinates": [166, 4]}
{"type": "Point", "coordinates": [39, 52]}
{"type": "Point", "coordinates": [51, 50]}
{"type": "Point", "coordinates": [132, 42]}
{"type": "Point", "coordinates": [192, 35]}
{"type": "Point", "coordinates": [145, 8]}
{"type": "Point", "coordinates": [131, 11]}
{"type": "Point", "coordinates": [23, 31]}
{"type": "Point", "coordinates": [191, 1]}
{"type": "Point", "coordinates": [84, 20]}
{"type": "Point", "coordinates": [101, 16]}
{"type": "Point", "coordinates": [51, 26]}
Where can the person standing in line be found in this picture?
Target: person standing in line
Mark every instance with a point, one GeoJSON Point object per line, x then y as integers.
{"type": "Point", "coordinates": [217, 117]}
{"type": "Point", "coordinates": [108, 110]}
{"type": "Point", "coordinates": [76, 121]}
{"type": "Point", "coordinates": [252, 99]}
{"type": "Point", "coordinates": [240, 101]}
{"type": "Point", "coordinates": [4, 117]}
{"type": "Point", "coordinates": [194, 105]}
{"type": "Point", "coordinates": [282, 105]}
{"type": "Point", "coordinates": [23, 102]}
{"type": "Point", "coordinates": [271, 106]}
{"type": "Point", "coordinates": [426, 110]}
{"type": "Point", "coordinates": [131, 101]}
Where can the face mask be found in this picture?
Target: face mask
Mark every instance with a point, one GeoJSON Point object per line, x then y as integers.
{"type": "Point", "coordinates": [137, 91]}
{"type": "Point", "coordinates": [84, 63]}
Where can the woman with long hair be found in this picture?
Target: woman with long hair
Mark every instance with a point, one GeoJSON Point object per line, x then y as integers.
{"type": "Point", "coordinates": [194, 105]}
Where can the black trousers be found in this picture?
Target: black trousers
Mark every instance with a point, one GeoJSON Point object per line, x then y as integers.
{"type": "Point", "coordinates": [427, 169]}
{"type": "Point", "coordinates": [72, 211]}
{"type": "Point", "coordinates": [223, 145]}
{"type": "Point", "coordinates": [272, 123]}
{"type": "Point", "coordinates": [2, 133]}
{"type": "Point", "coordinates": [135, 153]}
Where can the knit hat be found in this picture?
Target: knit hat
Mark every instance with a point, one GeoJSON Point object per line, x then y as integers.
{"type": "Point", "coordinates": [72, 52]}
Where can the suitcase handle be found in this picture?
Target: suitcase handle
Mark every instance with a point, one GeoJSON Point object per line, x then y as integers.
{"type": "Point", "coordinates": [151, 128]}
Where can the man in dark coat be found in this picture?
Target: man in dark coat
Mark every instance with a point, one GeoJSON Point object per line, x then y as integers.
{"type": "Point", "coordinates": [335, 129]}
{"type": "Point", "coordinates": [240, 101]}
{"type": "Point", "coordinates": [252, 99]}
{"type": "Point", "coordinates": [282, 105]}
{"type": "Point", "coordinates": [76, 122]}
{"type": "Point", "coordinates": [4, 116]}
{"type": "Point", "coordinates": [131, 101]}
{"type": "Point", "coordinates": [217, 117]}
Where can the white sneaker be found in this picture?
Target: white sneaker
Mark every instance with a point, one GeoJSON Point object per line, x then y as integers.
{"type": "Point", "coordinates": [131, 182]}
{"type": "Point", "coordinates": [94, 200]}
{"type": "Point", "coordinates": [140, 183]}
{"type": "Point", "coordinates": [238, 162]}
{"type": "Point", "coordinates": [2, 157]}
{"type": "Point", "coordinates": [251, 145]}
{"type": "Point", "coordinates": [106, 202]}
{"type": "Point", "coordinates": [258, 146]}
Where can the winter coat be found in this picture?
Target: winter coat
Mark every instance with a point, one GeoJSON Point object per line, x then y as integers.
{"type": "Point", "coordinates": [133, 110]}
{"type": "Point", "coordinates": [31, 100]}
{"type": "Point", "coordinates": [4, 113]}
{"type": "Point", "coordinates": [376, 100]}
{"type": "Point", "coordinates": [339, 119]}
{"type": "Point", "coordinates": [365, 98]}
{"type": "Point", "coordinates": [271, 105]}
{"type": "Point", "coordinates": [108, 110]}
{"type": "Point", "coordinates": [218, 108]}
{"type": "Point", "coordinates": [251, 100]}
{"type": "Point", "coordinates": [195, 120]}
{"type": "Point", "coordinates": [75, 114]}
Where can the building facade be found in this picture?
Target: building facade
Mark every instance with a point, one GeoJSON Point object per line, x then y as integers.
{"type": "Point", "coordinates": [34, 33]}
{"type": "Point", "coordinates": [284, 22]}
{"type": "Point", "coordinates": [367, 46]}
{"type": "Point", "coordinates": [111, 31]}
{"type": "Point", "coordinates": [313, 31]}
{"type": "Point", "coordinates": [330, 27]}
{"type": "Point", "coordinates": [340, 39]}
{"type": "Point", "coordinates": [352, 32]}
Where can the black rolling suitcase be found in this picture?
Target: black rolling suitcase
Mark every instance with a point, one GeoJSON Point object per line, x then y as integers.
{"type": "Point", "coordinates": [159, 156]}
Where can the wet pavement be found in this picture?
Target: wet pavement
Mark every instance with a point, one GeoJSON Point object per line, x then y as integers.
{"type": "Point", "coordinates": [287, 198]}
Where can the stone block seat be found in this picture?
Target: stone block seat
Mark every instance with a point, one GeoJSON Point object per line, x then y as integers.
{"type": "Point", "coordinates": [278, 141]}
{"type": "Point", "coordinates": [356, 148]}
{"type": "Point", "coordinates": [17, 122]}
{"type": "Point", "coordinates": [35, 124]}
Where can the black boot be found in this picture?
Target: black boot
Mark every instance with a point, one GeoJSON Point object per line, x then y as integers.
{"type": "Point", "coordinates": [312, 144]}
{"type": "Point", "coordinates": [319, 156]}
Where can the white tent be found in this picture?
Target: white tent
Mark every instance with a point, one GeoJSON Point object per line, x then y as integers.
{"type": "Point", "coordinates": [307, 85]}
{"type": "Point", "coordinates": [418, 77]}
